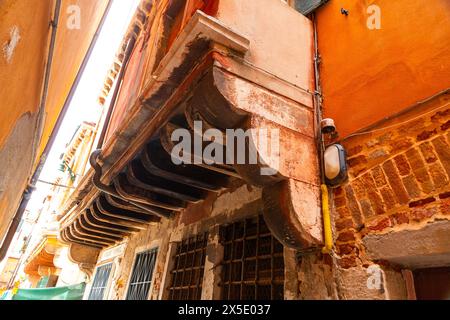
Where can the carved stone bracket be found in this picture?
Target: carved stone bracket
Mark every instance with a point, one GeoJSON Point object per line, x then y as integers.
{"type": "Point", "coordinates": [291, 195]}
{"type": "Point", "coordinates": [85, 256]}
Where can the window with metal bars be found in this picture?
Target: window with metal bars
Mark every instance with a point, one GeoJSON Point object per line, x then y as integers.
{"type": "Point", "coordinates": [253, 262]}
{"type": "Point", "coordinates": [187, 273]}
{"type": "Point", "coordinates": [100, 282]}
{"type": "Point", "coordinates": [141, 277]}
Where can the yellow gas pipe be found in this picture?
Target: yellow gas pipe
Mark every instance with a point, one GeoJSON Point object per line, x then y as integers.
{"type": "Point", "coordinates": [327, 248]}
{"type": "Point", "coordinates": [328, 236]}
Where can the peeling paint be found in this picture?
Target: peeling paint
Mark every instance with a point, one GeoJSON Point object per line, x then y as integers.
{"type": "Point", "coordinates": [15, 157]}
{"type": "Point", "coordinates": [314, 278]}
{"type": "Point", "coordinates": [10, 46]}
{"type": "Point", "coordinates": [231, 201]}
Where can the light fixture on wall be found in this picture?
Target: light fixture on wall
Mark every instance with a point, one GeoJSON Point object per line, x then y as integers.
{"type": "Point", "coordinates": [335, 165]}
{"type": "Point", "coordinates": [334, 156]}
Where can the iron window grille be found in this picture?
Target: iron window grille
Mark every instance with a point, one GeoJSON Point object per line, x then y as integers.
{"type": "Point", "coordinates": [141, 277]}
{"type": "Point", "coordinates": [253, 262]}
{"type": "Point", "coordinates": [100, 282]}
{"type": "Point", "coordinates": [187, 273]}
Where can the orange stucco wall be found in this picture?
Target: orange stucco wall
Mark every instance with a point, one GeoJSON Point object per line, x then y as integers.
{"type": "Point", "coordinates": [366, 74]}
{"type": "Point", "coordinates": [21, 78]}
{"type": "Point", "coordinates": [21, 81]}
{"type": "Point", "coordinates": [71, 47]}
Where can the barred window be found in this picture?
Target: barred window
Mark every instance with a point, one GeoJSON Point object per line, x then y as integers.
{"type": "Point", "coordinates": [141, 277]}
{"type": "Point", "coordinates": [187, 273]}
{"type": "Point", "coordinates": [100, 282]}
{"type": "Point", "coordinates": [253, 263]}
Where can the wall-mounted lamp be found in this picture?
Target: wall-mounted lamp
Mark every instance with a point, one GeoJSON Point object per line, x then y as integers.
{"type": "Point", "coordinates": [335, 165]}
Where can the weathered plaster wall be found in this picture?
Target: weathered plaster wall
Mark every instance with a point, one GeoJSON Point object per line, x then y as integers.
{"type": "Point", "coordinates": [16, 160]}
{"type": "Point", "coordinates": [155, 236]}
{"type": "Point", "coordinates": [21, 71]}
{"type": "Point", "coordinates": [316, 278]}
{"type": "Point", "coordinates": [268, 48]}
{"type": "Point", "coordinates": [425, 245]}
{"type": "Point", "coordinates": [392, 68]}
{"type": "Point", "coordinates": [24, 39]}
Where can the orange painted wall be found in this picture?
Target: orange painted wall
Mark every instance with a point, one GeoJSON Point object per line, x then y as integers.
{"type": "Point", "coordinates": [367, 75]}
{"type": "Point", "coordinates": [21, 78]}
{"type": "Point", "coordinates": [21, 81]}
{"type": "Point", "coordinates": [71, 48]}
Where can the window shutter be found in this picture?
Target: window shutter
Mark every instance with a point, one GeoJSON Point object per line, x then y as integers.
{"type": "Point", "coordinates": [308, 6]}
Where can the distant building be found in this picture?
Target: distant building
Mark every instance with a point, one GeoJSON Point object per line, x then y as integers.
{"type": "Point", "coordinates": [45, 261]}
{"type": "Point", "coordinates": [8, 271]}
{"type": "Point", "coordinates": [9, 266]}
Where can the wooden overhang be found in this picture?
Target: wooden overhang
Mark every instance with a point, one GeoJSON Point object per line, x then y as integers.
{"type": "Point", "coordinates": [203, 77]}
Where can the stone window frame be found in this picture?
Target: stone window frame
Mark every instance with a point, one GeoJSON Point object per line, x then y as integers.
{"type": "Point", "coordinates": [115, 271]}
{"type": "Point", "coordinates": [108, 282]}
{"type": "Point", "coordinates": [155, 244]}
{"type": "Point", "coordinates": [109, 286]}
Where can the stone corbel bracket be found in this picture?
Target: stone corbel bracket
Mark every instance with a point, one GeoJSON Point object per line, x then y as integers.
{"type": "Point", "coordinates": [85, 256]}
{"type": "Point", "coordinates": [292, 195]}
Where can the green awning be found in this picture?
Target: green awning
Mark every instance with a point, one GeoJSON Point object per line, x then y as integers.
{"type": "Point", "coordinates": [74, 292]}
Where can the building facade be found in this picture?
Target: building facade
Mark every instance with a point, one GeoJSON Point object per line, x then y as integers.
{"type": "Point", "coordinates": [144, 226]}
{"type": "Point", "coordinates": [43, 260]}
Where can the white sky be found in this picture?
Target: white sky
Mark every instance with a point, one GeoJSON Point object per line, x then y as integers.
{"type": "Point", "coordinates": [84, 105]}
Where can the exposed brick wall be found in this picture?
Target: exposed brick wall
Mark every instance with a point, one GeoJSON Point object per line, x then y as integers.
{"type": "Point", "coordinates": [397, 178]}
